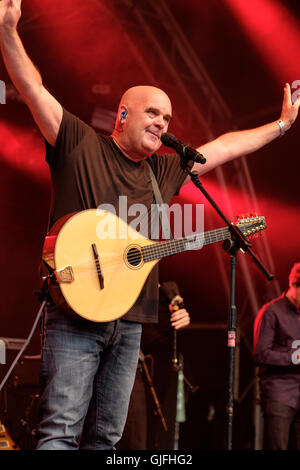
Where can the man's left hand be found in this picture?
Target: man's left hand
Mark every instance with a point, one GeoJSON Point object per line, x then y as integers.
{"type": "Point", "coordinates": [289, 110]}
{"type": "Point", "coordinates": [179, 318]}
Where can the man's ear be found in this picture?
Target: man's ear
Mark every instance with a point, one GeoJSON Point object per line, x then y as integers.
{"type": "Point", "coordinates": [123, 113]}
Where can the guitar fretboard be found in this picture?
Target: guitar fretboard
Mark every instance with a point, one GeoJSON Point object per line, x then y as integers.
{"type": "Point", "coordinates": [192, 242]}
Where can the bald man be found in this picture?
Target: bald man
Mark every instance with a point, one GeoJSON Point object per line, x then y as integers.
{"type": "Point", "coordinates": [88, 368]}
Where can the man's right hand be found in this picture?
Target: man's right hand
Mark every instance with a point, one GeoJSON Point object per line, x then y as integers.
{"type": "Point", "coordinates": [10, 13]}
{"type": "Point", "coordinates": [46, 110]}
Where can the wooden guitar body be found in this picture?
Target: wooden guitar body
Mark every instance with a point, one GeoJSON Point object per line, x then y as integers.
{"type": "Point", "coordinates": [70, 243]}
{"type": "Point", "coordinates": [96, 265]}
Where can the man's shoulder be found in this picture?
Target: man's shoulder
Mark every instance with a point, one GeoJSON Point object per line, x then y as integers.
{"type": "Point", "coordinates": [73, 122]}
{"type": "Point", "coordinates": [104, 139]}
{"type": "Point", "coordinates": [274, 305]}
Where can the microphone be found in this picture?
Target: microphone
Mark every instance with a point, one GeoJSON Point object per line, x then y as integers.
{"type": "Point", "coordinates": [186, 152]}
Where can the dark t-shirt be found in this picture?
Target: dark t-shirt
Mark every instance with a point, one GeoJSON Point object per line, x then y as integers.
{"type": "Point", "coordinates": [89, 170]}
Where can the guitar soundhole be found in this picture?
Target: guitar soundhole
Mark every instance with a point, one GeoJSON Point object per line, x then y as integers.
{"type": "Point", "coordinates": [134, 257]}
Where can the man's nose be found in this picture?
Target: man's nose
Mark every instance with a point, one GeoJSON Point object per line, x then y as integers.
{"type": "Point", "coordinates": [159, 122]}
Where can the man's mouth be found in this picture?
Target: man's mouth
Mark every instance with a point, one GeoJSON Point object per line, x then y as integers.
{"type": "Point", "coordinates": [154, 134]}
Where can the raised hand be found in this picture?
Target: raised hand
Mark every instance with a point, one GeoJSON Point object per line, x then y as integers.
{"type": "Point", "coordinates": [10, 12]}
{"type": "Point", "coordinates": [289, 111]}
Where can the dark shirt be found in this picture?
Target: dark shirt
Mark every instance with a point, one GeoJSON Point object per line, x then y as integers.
{"type": "Point", "coordinates": [276, 327]}
{"type": "Point", "coordinates": [88, 170]}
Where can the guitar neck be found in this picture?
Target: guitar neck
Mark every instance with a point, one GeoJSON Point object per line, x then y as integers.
{"type": "Point", "coordinates": [192, 242]}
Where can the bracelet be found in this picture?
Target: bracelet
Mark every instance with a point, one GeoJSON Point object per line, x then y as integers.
{"type": "Point", "coordinates": [282, 127]}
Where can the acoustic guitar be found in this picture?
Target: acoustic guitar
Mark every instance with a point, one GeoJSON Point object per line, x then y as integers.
{"type": "Point", "coordinates": [100, 273]}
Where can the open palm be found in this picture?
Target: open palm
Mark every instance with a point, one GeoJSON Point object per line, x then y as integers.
{"type": "Point", "coordinates": [289, 111]}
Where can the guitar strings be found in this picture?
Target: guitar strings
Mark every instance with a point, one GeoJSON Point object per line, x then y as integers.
{"type": "Point", "coordinates": [158, 250]}
{"type": "Point", "coordinates": [151, 252]}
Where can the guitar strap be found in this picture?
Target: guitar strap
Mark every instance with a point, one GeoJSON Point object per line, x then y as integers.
{"type": "Point", "coordinates": [158, 199]}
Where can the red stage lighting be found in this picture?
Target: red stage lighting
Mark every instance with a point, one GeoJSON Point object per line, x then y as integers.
{"type": "Point", "coordinates": [275, 33]}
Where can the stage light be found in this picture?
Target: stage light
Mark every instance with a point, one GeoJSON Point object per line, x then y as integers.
{"type": "Point", "coordinates": [274, 31]}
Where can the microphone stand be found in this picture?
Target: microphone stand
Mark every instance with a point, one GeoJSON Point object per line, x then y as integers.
{"type": "Point", "coordinates": [237, 242]}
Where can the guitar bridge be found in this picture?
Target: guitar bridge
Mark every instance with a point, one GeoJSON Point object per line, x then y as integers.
{"type": "Point", "coordinates": [64, 274]}
{"type": "Point", "coordinates": [98, 267]}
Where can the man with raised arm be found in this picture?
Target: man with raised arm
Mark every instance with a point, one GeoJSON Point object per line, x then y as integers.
{"type": "Point", "coordinates": [88, 368]}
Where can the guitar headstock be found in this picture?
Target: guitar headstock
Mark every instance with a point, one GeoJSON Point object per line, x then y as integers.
{"type": "Point", "coordinates": [250, 224]}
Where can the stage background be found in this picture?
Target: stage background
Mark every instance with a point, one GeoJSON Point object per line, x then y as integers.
{"type": "Point", "coordinates": [242, 53]}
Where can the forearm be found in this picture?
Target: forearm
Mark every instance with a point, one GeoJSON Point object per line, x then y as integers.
{"type": "Point", "coordinates": [21, 70]}
{"type": "Point", "coordinates": [235, 144]}
{"type": "Point", "coordinates": [46, 110]}
{"type": "Point", "coordinates": [245, 142]}
{"type": "Point", "coordinates": [273, 357]}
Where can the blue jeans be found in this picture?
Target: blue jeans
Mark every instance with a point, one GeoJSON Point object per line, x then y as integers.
{"type": "Point", "coordinates": [87, 375]}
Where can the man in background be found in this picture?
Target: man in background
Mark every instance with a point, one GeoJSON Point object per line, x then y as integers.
{"type": "Point", "coordinates": [276, 341]}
